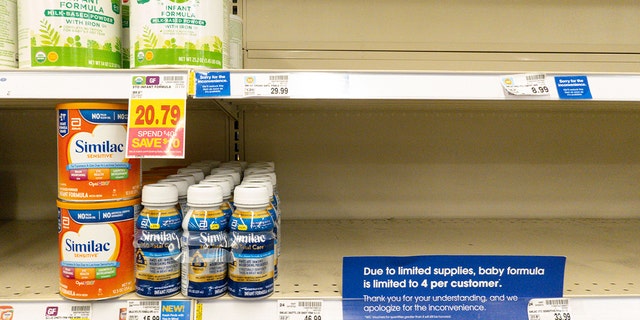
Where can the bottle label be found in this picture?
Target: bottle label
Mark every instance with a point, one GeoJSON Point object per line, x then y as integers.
{"type": "Point", "coordinates": [251, 221]}
{"type": "Point", "coordinates": [251, 271]}
{"type": "Point", "coordinates": [159, 219]}
{"type": "Point", "coordinates": [206, 220]}
{"type": "Point", "coordinates": [157, 257]}
{"type": "Point", "coordinates": [204, 265]}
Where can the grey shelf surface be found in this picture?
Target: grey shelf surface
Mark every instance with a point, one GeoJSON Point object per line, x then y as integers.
{"type": "Point", "coordinates": [603, 255]}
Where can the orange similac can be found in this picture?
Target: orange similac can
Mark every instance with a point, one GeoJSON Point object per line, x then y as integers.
{"type": "Point", "coordinates": [95, 248]}
{"type": "Point", "coordinates": [91, 153]}
{"type": "Point", "coordinates": [6, 313]}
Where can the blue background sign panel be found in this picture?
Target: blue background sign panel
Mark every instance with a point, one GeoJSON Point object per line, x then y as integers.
{"type": "Point", "coordinates": [213, 84]}
{"type": "Point", "coordinates": [573, 87]}
{"type": "Point", "coordinates": [448, 287]}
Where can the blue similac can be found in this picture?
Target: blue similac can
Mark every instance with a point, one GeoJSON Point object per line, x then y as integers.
{"type": "Point", "coordinates": [251, 269]}
{"type": "Point", "coordinates": [205, 248]}
{"type": "Point", "coordinates": [157, 242]}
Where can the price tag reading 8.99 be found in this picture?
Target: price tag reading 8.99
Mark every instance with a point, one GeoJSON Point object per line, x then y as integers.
{"type": "Point", "coordinates": [156, 128]}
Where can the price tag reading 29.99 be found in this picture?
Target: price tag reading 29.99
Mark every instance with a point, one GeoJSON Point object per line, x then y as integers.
{"type": "Point", "coordinates": [156, 124]}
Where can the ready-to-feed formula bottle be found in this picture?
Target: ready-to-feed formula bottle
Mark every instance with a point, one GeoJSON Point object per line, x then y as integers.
{"type": "Point", "coordinates": [182, 185]}
{"type": "Point", "coordinates": [70, 34]}
{"type": "Point", "coordinates": [157, 242]}
{"type": "Point", "coordinates": [251, 269]}
{"type": "Point", "coordinates": [96, 248]}
{"type": "Point", "coordinates": [8, 34]}
{"type": "Point", "coordinates": [205, 247]}
{"type": "Point", "coordinates": [179, 33]}
{"type": "Point", "coordinates": [92, 163]}
{"type": "Point", "coordinates": [273, 211]}
{"type": "Point", "coordinates": [226, 183]}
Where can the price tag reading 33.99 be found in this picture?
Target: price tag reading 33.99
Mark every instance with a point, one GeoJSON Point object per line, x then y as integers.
{"type": "Point", "coordinates": [157, 117]}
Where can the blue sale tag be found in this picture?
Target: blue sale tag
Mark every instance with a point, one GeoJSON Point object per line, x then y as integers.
{"type": "Point", "coordinates": [573, 87]}
{"type": "Point", "coordinates": [212, 84]}
{"type": "Point", "coordinates": [452, 287]}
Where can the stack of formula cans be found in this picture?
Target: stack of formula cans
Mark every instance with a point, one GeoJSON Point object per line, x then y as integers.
{"type": "Point", "coordinates": [98, 198]}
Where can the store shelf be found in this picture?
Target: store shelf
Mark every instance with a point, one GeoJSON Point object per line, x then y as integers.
{"type": "Point", "coordinates": [394, 85]}
{"type": "Point", "coordinates": [73, 84]}
{"type": "Point", "coordinates": [603, 262]}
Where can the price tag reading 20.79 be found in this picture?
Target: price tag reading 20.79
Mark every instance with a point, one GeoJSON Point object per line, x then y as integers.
{"type": "Point", "coordinates": [156, 128]}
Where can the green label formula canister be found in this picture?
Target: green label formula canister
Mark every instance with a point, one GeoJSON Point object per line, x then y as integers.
{"type": "Point", "coordinates": [70, 33]}
{"type": "Point", "coordinates": [178, 33]}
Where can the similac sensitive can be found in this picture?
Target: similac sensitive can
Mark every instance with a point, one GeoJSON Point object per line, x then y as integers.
{"type": "Point", "coordinates": [96, 248]}
{"type": "Point", "coordinates": [6, 312]}
{"type": "Point", "coordinates": [8, 35]}
{"type": "Point", "coordinates": [70, 33]}
{"type": "Point", "coordinates": [91, 153]}
{"type": "Point", "coordinates": [178, 33]}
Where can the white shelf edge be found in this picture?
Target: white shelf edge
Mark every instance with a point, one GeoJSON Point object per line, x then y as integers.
{"type": "Point", "coordinates": [391, 85]}
{"type": "Point", "coordinates": [73, 84]}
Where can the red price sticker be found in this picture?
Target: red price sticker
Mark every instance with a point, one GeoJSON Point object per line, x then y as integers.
{"type": "Point", "coordinates": [157, 116]}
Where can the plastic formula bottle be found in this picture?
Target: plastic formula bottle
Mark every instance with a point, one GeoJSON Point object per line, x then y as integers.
{"type": "Point", "coordinates": [205, 248]}
{"type": "Point", "coordinates": [227, 186]}
{"type": "Point", "coordinates": [251, 270]}
{"type": "Point", "coordinates": [157, 242]}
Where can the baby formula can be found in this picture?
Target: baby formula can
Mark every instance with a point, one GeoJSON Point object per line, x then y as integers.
{"type": "Point", "coordinates": [6, 312]}
{"type": "Point", "coordinates": [251, 269]}
{"type": "Point", "coordinates": [68, 33]}
{"type": "Point", "coordinates": [96, 248]}
{"type": "Point", "coordinates": [91, 153]}
{"type": "Point", "coordinates": [236, 52]}
{"type": "Point", "coordinates": [126, 44]}
{"type": "Point", "coordinates": [8, 35]}
{"type": "Point", "coordinates": [204, 244]}
{"type": "Point", "coordinates": [157, 242]}
{"type": "Point", "coordinates": [172, 33]}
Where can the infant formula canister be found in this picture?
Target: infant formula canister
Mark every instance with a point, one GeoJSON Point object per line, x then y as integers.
{"type": "Point", "coordinates": [8, 35]}
{"type": "Point", "coordinates": [205, 248]}
{"type": "Point", "coordinates": [251, 269]}
{"type": "Point", "coordinates": [96, 248]}
{"type": "Point", "coordinates": [70, 33]}
{"type": "Point", "coordinates": [157, 242]}
{"type": "Point", "coordinates": [179, 33]}
{"type": "Point", "coordinates": [91, 153]}
{"type": "Point", "coordinates": [126, 44]}
{"type": "Point", "coordinates": [6, 313]}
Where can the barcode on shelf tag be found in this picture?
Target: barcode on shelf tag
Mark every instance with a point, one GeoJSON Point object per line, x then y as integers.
{"type": "Point", "coordinates": [64, 311]}
{"type": "Point", "coordinates": [266, 85]}
{"type": "Point", "coordinates": [143, 309]}
{"type": "Point", "coordinates": [525, 85]}
{"type": "Point", "coordinates": [300, 309]}
{"type": "Point", "coordinates": [549, 309]}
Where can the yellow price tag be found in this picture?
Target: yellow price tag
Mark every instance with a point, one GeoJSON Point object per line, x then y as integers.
{"type": "Point", "coordinates": [156, 113]}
